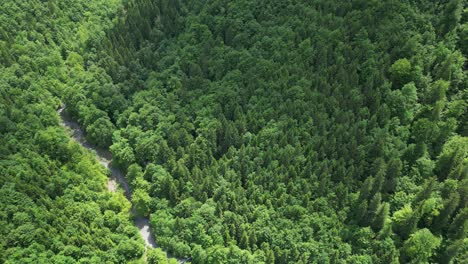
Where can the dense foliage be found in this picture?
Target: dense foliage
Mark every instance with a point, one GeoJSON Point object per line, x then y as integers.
{"type": "Point", "coordinates": [261, 131]}
{"type": "Point", "coordinates": [54, 206]}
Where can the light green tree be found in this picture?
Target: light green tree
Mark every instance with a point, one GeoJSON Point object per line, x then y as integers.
{"type": "Point", "coordinates": [420, 246]}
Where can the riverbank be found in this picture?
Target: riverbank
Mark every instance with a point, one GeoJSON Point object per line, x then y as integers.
{"type": "Point", "coordinates": [116, 175]}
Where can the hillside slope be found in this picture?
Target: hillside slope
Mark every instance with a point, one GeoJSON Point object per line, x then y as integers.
{"type": "Point", "coordinates": [254, 131]}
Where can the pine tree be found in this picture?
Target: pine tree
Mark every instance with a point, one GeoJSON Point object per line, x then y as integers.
{"type": "Point", "coordinates": [379, 220]}
{"type": "Point", "coordinates": [227, 237]}
{"type": "Point", "coordinates": [458, 228]}
{"type": "Point", "coordinates": [360, 213]}
{"type": "Point", "coordinates": [244, 241]}
{"type": "Point", "coordinates": [253, 240]}
{"type": "Point", "coordinates": [270, 257]}
{"type": "Point", "coordinates": [450, 205]}
{"type": "Point", "coordinates": [451, 15]}
{"type": "Point", "coordinates": [374, 206]}
{"type": "Point", "coordinates": [366, 189]}
{"type": "Point", "coordinates": [451, 251]}
{"type": "Point", "coordinates": [393, 173]}
{"type": "Point", "coordinates": [378, 182]}
{"type": "Point", "coordinates": [426, 192]}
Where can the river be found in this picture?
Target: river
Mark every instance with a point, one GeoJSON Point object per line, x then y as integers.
{"type": "Point", "coordinates": [116, 176]}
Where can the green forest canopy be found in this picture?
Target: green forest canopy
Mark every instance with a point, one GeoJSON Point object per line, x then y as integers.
{"type": "Point", "coordinates": [250, 131]}
{"type": "Point", "coordinates": [54, 207]}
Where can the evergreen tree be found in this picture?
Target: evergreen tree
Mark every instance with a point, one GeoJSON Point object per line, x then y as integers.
{"type": "Point", "coordinates": [381, 217]}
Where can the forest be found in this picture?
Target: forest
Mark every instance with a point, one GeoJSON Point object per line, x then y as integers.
{"type": "Point", "coordinates": [264, 131]}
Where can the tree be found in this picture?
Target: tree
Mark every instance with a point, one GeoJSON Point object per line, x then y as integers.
{"type": "Point", "coordinates": [100, 132]}
{"type": "Point", "coordinates": [130, 249]}
{"type": "Point", "coordinates": [393, 173]}
{"type": "Point", "coordinates": [381, 217]}
{"type": "Point", "coordinates": [360, 213]}
{"type": "Point", "coordinates": [426, 191]}
{"type": "Point", "coordinates": [385, 252]}
{"type": "Point", "coordinates": [53, 142]}
{"type": "Point", "coordinates": [421, 246]}
{"type": "Point", "coordinates": [436, 97]}
{"type": "Point", "coordinates": [373, 209]}
{"type": "Point", "coordinates": [459, 226]}
{"type": "Point", "coordinates": [141, 201]}
{"type": "Point", "coordinates": [199, 255]}
{"type": "Point", "coordinates": [134, 171]}
{"type": "Point", "coordinates": [462, 42]}
{"type": "Point", "coordinates": [409, 92]}
{"type": "Point", "coordinates": [400, 72]}
{"type": "Point", "coordinates": [450, 205]}
{"type": "Point", "coordinates": [452, 14]}
{"type": "Point", "coordinates": [270, 257]}
{"type": "Point", "coordinates": [244, 241]}
{"type": "Point", "coordinates": [405, 221]}
{"type": "Point", "coordinates": [451, 162]}
{"type": "Point", "coordinates": [217, 254]}
{"type": "Point", "coordinates": [451, 251]}
{"type": "Point", "coordinates": [366, 189]}
{"type": "Point", "coordinates": [122, 153]}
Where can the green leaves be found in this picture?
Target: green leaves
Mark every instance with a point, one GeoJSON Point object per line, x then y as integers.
{"type": "Point", "coordinates": [421, 246]}
{"type": "Point", "coordinates": [100, 132]}
{"type": "Point", "coordinates": [400, 72]}
{"type": "Point", "coordinates": [53, 142]}
{"type": "Point", "coordinates": [122, 153]}
{"type": "Point", "coordinates": [252, 132]}
{"type": "Point", "coordinates": [156, 256]}
{"type": "Point", "coordinates": [141, 201]}
{"type": "Point", "coordinates": [54, 207]}
{"type": "Point", "coordinates": [452, 162]}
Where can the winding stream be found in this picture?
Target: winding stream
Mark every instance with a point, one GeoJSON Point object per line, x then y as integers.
{"type": "Point", "coordinates": [116, 175]}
